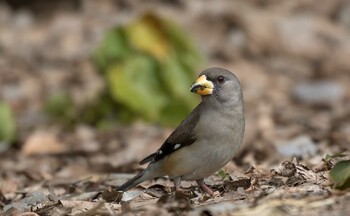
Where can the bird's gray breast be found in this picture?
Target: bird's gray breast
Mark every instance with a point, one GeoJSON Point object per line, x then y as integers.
{"type": "Point", "coordinates": [219, 135]}
{"type": "Point", "coordinates": [221, 128]}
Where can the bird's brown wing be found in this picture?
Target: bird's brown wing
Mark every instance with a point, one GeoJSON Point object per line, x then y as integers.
{"type": "Point", "coordinates": [182, 136]}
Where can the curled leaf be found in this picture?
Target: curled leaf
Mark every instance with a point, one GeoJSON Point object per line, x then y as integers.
{"type": "Point", "coordinates": [114, 47]}
{"type": "Point", "coordinates": [135, 83]}
{"type": "Point", "coordinates": [340, 174]}
{"type": "Point", "coordinates": [149, 65]}
{"type": "Point", "coordinates": [147, 34]}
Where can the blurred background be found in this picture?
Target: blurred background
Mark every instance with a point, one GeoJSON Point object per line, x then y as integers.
{"type": "Point", "coordinates": [101, 84]}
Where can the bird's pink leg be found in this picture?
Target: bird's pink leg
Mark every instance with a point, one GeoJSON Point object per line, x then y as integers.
{"type": "Point", "coordinates": [204, 187]}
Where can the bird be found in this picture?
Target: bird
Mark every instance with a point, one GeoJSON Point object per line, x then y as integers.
{"type": "Point", "coordinates": [206, 140]}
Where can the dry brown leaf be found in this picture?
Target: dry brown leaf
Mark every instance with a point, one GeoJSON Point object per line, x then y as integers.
{"type": "Point", "coordinates": [42, 142]}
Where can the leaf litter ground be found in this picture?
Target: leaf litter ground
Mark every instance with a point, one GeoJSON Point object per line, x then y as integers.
{"type": "Point", "coordinates": [293, 67]}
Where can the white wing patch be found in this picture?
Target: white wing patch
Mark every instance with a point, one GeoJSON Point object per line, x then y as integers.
{"type": "Point", "coordinates": [177, 146]}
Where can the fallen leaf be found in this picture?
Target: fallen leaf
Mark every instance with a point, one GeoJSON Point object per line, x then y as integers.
{"type": "Point", "coordinates": [42, 142]}
{"type": "Point", "coordinates": [340, 174]}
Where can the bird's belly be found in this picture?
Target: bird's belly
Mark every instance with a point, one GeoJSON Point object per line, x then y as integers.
{"type": "Point", "coordinates": [211, 161]}
{"type": "Point", "coordinates": [203, 162]}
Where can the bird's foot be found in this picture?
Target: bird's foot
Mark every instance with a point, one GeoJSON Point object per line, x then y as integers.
{"type": "Point", "coordinates": [177, 182]}
{"type": "Point", "coordinates": [206, 189]}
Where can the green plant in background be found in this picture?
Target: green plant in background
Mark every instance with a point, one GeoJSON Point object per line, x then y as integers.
{"type": "Point", "coordinates": [60, 107]}
{"type": "Point", "coordinates": [7, 124]}
{"type": "Point", "coordinates": [148, 66]}
{"type": "Point", "coordinates": [340, 174]}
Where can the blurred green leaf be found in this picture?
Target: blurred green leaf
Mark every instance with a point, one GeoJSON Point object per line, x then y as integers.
{"type": "Point", "coordinates": [148, 35]}
{"type": "Point", "coordinates": [135, 83]}
{"type": "Point", "coordinates": [149, 65]}
{"type": "Point", "coordinates": [178, 81]}
{"type": "Point", "coordinates": [114, 47]}
{"type": "Point", "coordinates": [174, 112]}
{"type": "Point", "coordinates": [61, 108]}
{"type": "Point", "coordinates": [7, 125]}
{"type": "Point", "coordinates": [340, 174]}
{"type": "Point", "coordinates": [183, 47]}
{"type": "Point", "coordinates": [152, 80]}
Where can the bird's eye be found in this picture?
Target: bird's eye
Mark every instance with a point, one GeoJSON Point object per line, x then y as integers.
{"type": "Point", "coordinates": [220, 79]}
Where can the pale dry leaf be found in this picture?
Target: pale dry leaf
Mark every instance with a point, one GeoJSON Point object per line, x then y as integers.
{"type": "Point", "coordinates": [42, 142]}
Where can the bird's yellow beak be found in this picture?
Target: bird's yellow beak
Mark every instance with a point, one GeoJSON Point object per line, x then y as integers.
{"type": "Point", "coordinates": [202, 86]}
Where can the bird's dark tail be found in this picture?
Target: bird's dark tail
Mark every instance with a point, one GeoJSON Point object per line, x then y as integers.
{"type": "Point", "coordinates": [132, 182]}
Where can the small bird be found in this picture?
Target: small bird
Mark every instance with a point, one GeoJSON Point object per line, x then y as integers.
{"type": "Point", "coordinates": [206, 140]}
